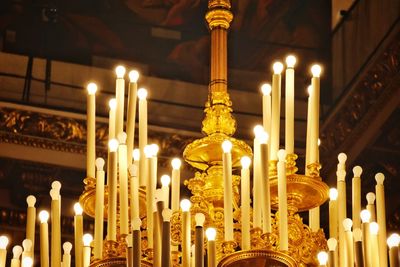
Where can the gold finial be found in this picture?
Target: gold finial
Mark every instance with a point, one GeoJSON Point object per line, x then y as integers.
{"type": "Point", "coordinates": [219, 14]}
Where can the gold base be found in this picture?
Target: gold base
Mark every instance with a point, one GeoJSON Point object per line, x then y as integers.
{"type": "Point", "coordinates": [257, 257]}
{"type": "Point", "coordinates": [115, 262]}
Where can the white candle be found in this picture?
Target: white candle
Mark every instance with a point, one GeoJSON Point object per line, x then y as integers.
{"type": "Point", "coordinates": [373, 230]}
{"type": "Point", "coordinates": [67, 247]}
{"type": "Point", "coordinates": [245, 202]}
{"type": "Point", "coordinates": [211, 233]}
{"type": "Point", "coordinates": [314, 131]}
{"type": "Point", "coordinates": [26, 253]}
{"type": "Point", "coordinates": [356, 188]}
{"type": "Point", "coordinates": [55, 224]}
{"type": "Point", "coordinates": [120, 96]}
{"type": "Point", "coordinates": [176, 184]}
{"type": "Point", "coordinates": [15, 261]}
{"type": "Point", "coordinates": [78, 234]}
{"type": "Point", "coordinates": [99, 210]}
{"type": "Point", "coordinates": [131, 114]}
{"type": "Point", "coordinates": [123, 184]}
{"type": "Point", "coordinates": [381, 217]}
{"type": "Point", "coordinates": [276, 106]}
{"type": "Point", "coordinates": [341, 202]}
{"type": "Point", "coordinates": [333, 213]}
{"type": "Point", "coordinates": [91, 130]}
{"type": "Point", "coordinates": [371, 205]}
{"type": "Point", "coordinates": [151, 156]}
{"type": "Point", "coordinates": [185, 206]}
{"type": "Point", "coordinates": [308, 134]}
{"type": "Point", "coordinates": [27, 262]}
{"type": "Point", "coordinates": [112, 192]}
{"type": "Point", "coordinates": [257, 187]}
{"type": "Point", "coordinates": [266, 106]}
{"type": "Point", "coordinates": [165, 181]}
{"type": "Point", "coordinates": [142, 95]}
{"type": "Point", "coordinates": [3, 250]}
{"type": "Point", "coordinates": [111, 129]}
{"type": "Point", "coordinates": [265, 190]}
{"type": "Point", "coordinates": [347, 224]}
{"type": "Point", "coordinates": [87, 239]}
{"type": "Point", "coordinates": [332, 244]}
{"type": "Point", "coordinates": [134, 180]}
{"type": "Point", "coordinates": [44, 238]}
{"type": "Point", "coordinates": [289, 107]}
{"type": "Point", "coordinates": [227, 177]}
{"type": "Point", "coordinates": [283, 212]}
{"type": "Point", "coordinates": [365, 218]}
{"type": "Point", "coordinates": [30, 221]}
{"type": "Point", "coordinates": [393, 243]}
{"type": "Point", "coordinates": [322, 258]}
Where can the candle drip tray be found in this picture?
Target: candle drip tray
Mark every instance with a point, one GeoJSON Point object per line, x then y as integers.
{"type": "Point", "coordinates": [257, 257]}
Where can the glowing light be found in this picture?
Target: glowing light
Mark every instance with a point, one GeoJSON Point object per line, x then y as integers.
{"type": "Point", "coordinates": [120, 71]}
{"type": "Point", "coordinates": [211, 233]}
{"type": "Point", "coordinates": [91, 88]}
{"type": "Point", "coordinates": [245, 161]}
{"type": "Point", "coordinates": [133, 76]}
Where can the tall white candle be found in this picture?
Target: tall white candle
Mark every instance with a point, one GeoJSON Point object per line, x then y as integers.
{"type": "Point", "coordinates": [341, 202]}
{"type": "Point", "coordinates": [227, 177]}
{"type": "Point", "coordinates": [356, 188]}
{"type": "Point", "coordinates": [44, 238]}
{"type": "Point", "coordinates": [151, 156]}
{"type": "Point", "coordinates": [265, 190]}
{"type": "Point", "coordinates": [123, 184]}
{"type": "Point", "coordinates": [165, 181]}
{"type": "Point", "coordinates": [314, 132]}
{"type": "Point", "coordinates": [112, 192]}
{"type": "Point", "coordinates": [67, 247]}
{"type": "Point", "coordinates": [245, 202]}
{"type": "Point", "coordinates": [3, 250]}
{"type": "Point", "coordinates": [371, 205]}
{"type": "Point", "coordinates": [365, 218]}
{"type": "Point", "coordinates": [131, 114]}
{"type": "Point", "coordinates": [91, 130]}
{"type": "Point", "coordinates": [99, 210]}
{"type": "Point", "coordinates": [333, 213]}
{"type": "Point", "coordinates": [142, 95]}
{"type": "Point", "coordinates": [257, 188]}
{"type": "Point", "coordinates": [30, 221]}
{"type": "Point", "coordinates": [111, 129]}
{"type": "Point", "coordinates": [276, 106]}
{"type": "Point", "coordinates": [289, 107]}
{"type": "Point", "coordinates": [120, 96]}
{"type": "Point", "coordinates": [266, 107]}
{"type": "Point", "coordinates": [134, 192]}
{"type": "Point", "coordinates": [283, 212]}
{"type": "Point", "coordinates": [87, 239]}
{"type": "Point", "coordinates": [211, 233]}
{"type": "Point", "coordinates": [347, 224]}
{"type": "Point", "coordinates": [185, 206]}
{"type": "Point", "coordinates": [15, 261]}
{"type": "Point", "coordinates": [78, 234]}
{"type": "Point", "coordinates": [374, 230]}
{"type": "Point", "coordinates": [176, 183]}
{"type": "Point", "coordinates": [308, 134]}
{"type": "Point", "coordinates": [381, 217]}
{"type": "Point", "coordinates": [55, 224]}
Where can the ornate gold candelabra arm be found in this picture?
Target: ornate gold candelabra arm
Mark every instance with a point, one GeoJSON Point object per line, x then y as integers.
{"type": "Point", "coordinates": [291, 167]}
{"type": "Point", "coordinates": [313, 169]}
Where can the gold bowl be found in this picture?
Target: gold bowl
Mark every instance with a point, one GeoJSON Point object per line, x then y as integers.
{"type": "Point", "coordinates": [259, 258]}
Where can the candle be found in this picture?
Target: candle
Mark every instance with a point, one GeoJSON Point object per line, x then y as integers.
{"type": "Point", "coordinates": [373, 230]}
{"type": "Point", "coordinates": [165, 181]}
{"type": "Point", "coordinates": [151, 152]}
{"type": "Point", "coordinates": [356, 188]}
{"type": "Point", "coordinates": [314, 131]}
{"type": "Point", "coordinates": [26, 253]}
{"type": "Point", "coordinates": [99, 210]}
{"type": "Point", "coordinates": [365, 217]}
{"type": "Point", "coordinates": [176, 183]}
{"type": "Point", "coordinates": [55, 224]}
{"type": "Point", "coordinates": [30, 221]}
{"type": "Point", "coordinates": [131, 114]}
{"type": "Point", "coordinates": [308, 134]}
{"type": "Point", "coordinates": [134, 181]}
{"type": "Point", "coordinates": [91, 129]}
{"type": "Point", "coordinates": [27, 262]}
{"type": "Point", "coordinates": [111, 129]}
{"type": "Point", "coordinates": [276, 107]}
{"type": "Point", "coordinates": [358, 250]}
{"type": "Point", "coordinates": [166, 242]}
{"type": "Point", "coordinates": [289, 107]}
{"type": "Point", "coordinates": [322, 258]}
{"type": "Point", "coordinates": [227, 176]}
{"type": "Point", "coordinates": [371, 205]}
{"type": "Point", "coordinates": [381, 217]}
{"type": "Point", "coordinates": [265, 190]}
{"type": "Point", "coordinates": [78, 234]}
{"type": "Point", "coordinates": [283, 213]}
{"type": "Point", "coordinates": [347, 224]}
{"type": "Point", "coordinates": [257, 187]}
{"type": "Point", "coordinates": [158, 223]}
{"type": "Point", "coordinates": [266, 106]}
{"type": "Point", "coordinates": [199, 240]}
{"type": "Point", "coordinates": [245, 202]}
{"type": "Point", "coordinates": [136, 243]}
{"type": "Point", "coordinates": [333, 213]}
{"type": "Point", "coordinates": [185, 206]}
{"type": "Point", "coordinates": [142, 95]}
{"type": "Point", "coordinates": [87, 239]}
{"type": "Point", "coordinates": [129, 250]}
{"type": "Point", "coordinates": [112, 192]}
{"type": "Point", "coordinates": [67, 247]}
{"type": "Point", "coordinates": [15, 261]}
{"type": "Point", "coordinates": [44, 238]}
{"type": "Point", "coordinates": [123, 184]}
{"type": "Point", "coordinates": [3, 250]}
{"type": "Point", "coordinates": [211, 233]}
{"type": "Point", "coordinates": [120, 96]}
{"type": "Point", "coordinates": [393, 243]}
{"type": "Point", "coordinates": [314, 219]}
{"type": "Point", "coordinates": [332, 244]}
{"type": "Point", "coordinates": [341, 202]}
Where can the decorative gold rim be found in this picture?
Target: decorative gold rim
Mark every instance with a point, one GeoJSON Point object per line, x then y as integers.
{"type": "Point", "coordinates": [255, 254]}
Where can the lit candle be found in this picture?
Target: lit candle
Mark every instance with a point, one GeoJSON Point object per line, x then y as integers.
{"type": "Point", "coordinates": [322, 258]}
{"type": "Point", "coordinates": [131, 114]}
{"type": "Point", "coordinates": [99, 210]}
{"type": "Point", "coordinates": [347, 224]}
{"type": "Point", "coordinates": [393, 243]}
{"type": "Point", "coordinates": [176, 184]}
{"type": "Point", "coordinates": [333, 213]}
{"type": "Point", "coordinates": [87, 239]}
{"type": "Point", "coordinates": [142, 95]}
{"type": "Point", "coordinates": [30, 221]}
{"type": "Point", "coordinates": [112, 192]}
{"type": "Point", "coordinates": [341, 202]}
{"type": "Point", "coordinates": [166, 242]}
{"type": "Point", "coordinates": [358, 250]}
{"type": "Point", "coordinates": [257, 190]}
{"type": "Point", "coordinates": [227, 176]}
{"type": "Point", "coordinates": [211, 233]}
{"type": "Point", "coordinates": [373, 230]}
{"type": "Point", "coordinates": [27, 262]}
{"type": "Point", "coordinates": [283, 213]}
{"type": "Point", "coordinates": [276, 107]}
{"type": "Point", "coordinates": [266, 106]}
{"type": "Point", "coordinates": [314, 131]}
{"type": "Point", "coordinates": [123, 184]}
{"type": "Point", "coordinates": [151, 152]}
{"type": "Point", "coordinates": [3, 250]}
{"type": "Point", "coordinates": [91, 130]}
{"type": "Point", "coordinates": [78, 234]}
{"type": "Point", "coordinates": [371, 205]}
{"type": "Point", "coordinates": [26, 253]}
{"type": "Point", "coordinates": [289, 107]}
{"type": "Point", "coordinates": [365, 218]}
{"type": "Point", "coordinates": [165, 181]}
{"type": "Point", "coordinates": [332, 244]}
{"type": "Point", "coordinates": [199, 240]}
{"type": "Point", "coordinates": [381, 217]}
{"type": "Point", "coordinates": [265, 190]}
{"type": "Point", "coordinates": [111, 129]}
{"type": "Point", "coordinates": [67, 247]}
{"type": "Point", "coordinates": [44, 238]}
{"type": "Point", "coordinates": [308, 134]}
{"type": "Point", "coordinates": [15, 261]}
{"type": "Point", "coordinates": [134, 181]}
{"type": "Point", "coordinates": [55, 224]}
{"type": "Point", "coordinates": [245, 202]}
{"type": "Point", "coordinates": [120, 96]}
{"type": "Point", "coordinates": [185, 206]}
{"type": "Point", "coordinates": [356, 188]}
{"type": "Point", "coordinates": [136, 242]}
